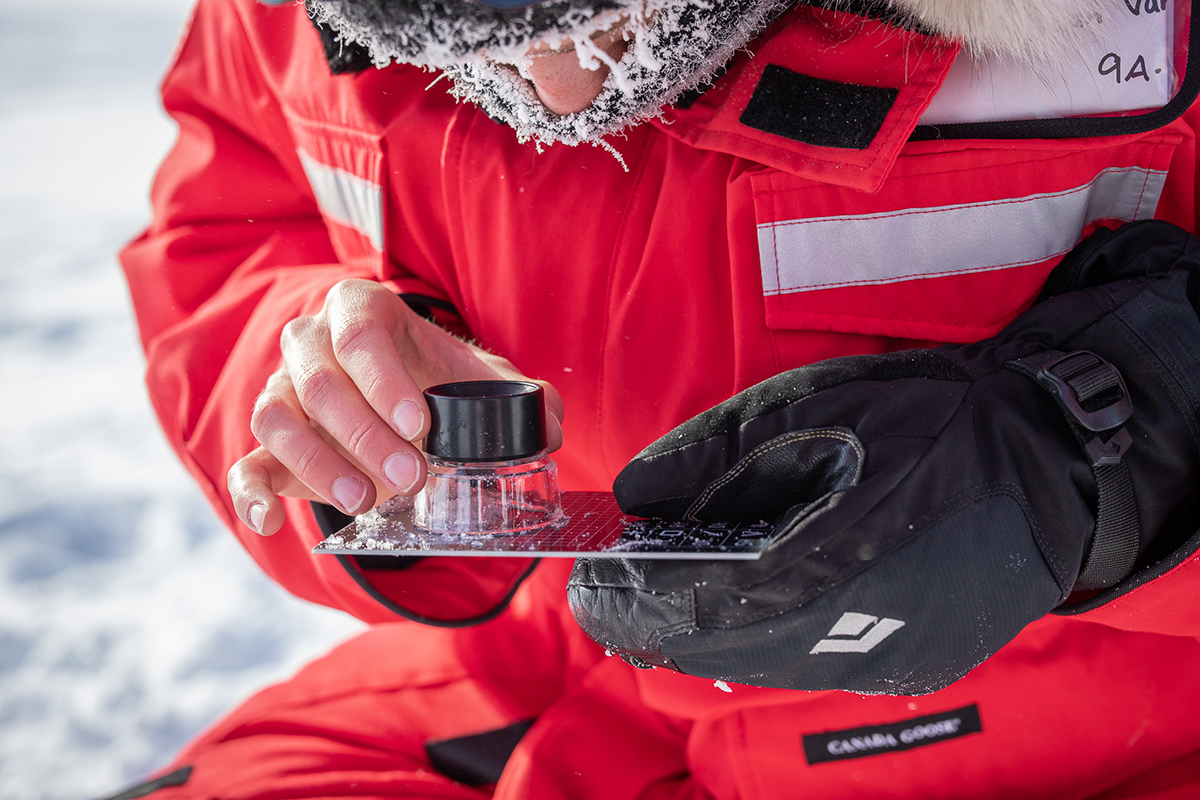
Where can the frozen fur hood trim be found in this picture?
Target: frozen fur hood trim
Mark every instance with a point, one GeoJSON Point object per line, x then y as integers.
{"type": "Point", "coordinates": [675, 45]}
{"type": "Point", "coordinates": [1038, 31]}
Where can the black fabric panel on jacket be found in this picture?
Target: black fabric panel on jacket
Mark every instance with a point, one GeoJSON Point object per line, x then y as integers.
{"type": "Point", "coordinates": [439, 312]}
{"type": "Point", "coordinates": [357, 567]}
{"type": "Point", "coordinates": [423, 305]}
{"type": "Point", "coordinates": [177, 778]}
{"type": "Point", "coordinates": [816, 111]}
{"type": "Point", "coordinates": [478, 759]}
{"type": "Point", "coordinates": [343, 57]}
{"type": "Point", "coordinates": [1151, 573]}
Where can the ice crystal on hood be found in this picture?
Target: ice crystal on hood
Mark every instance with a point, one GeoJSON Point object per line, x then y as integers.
{"type": "Point", "coordinates": [437, 33]}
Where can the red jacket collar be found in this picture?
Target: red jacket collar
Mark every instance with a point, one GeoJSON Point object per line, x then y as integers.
{"type": "Point", "coordinates": [839, 100]}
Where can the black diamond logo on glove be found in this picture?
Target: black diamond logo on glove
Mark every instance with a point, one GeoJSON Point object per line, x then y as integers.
{"type": "Point", "coordinates": [857, 633]}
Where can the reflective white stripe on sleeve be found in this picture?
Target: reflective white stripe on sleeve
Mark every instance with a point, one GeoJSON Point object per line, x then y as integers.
{"type": "Point", "coordinates": [346, 198]}
{"type": "Point", "coordinates": [804, 255]}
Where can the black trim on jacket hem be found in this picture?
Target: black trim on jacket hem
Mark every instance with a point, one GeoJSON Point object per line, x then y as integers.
{"type": "Point", "coordinates": [394, 607]}
{"type": "Point", "coordinates": [1134, 581]}
{"type": "Point", "coordinates": [422, 305]}
{"type": "Point", "coordinates": [330, 521]}
{"type": "Point", "coordinates": [177, 778]}
{"type": "Point", "coordinates": [478, 759]}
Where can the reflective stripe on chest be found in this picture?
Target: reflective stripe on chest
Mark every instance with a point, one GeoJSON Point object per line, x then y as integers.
{"type": "Point", "coordinates": [346, 199]}
{"type": "Point", "coordinates": [925, 242]}
{"type": "Point", "coordinates": [344, 168]}
{"type": "Point", "coordinates": [957, 242]}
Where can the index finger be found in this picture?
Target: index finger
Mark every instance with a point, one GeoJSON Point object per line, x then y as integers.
{"type": "Point", "coordinates": [364, 319]}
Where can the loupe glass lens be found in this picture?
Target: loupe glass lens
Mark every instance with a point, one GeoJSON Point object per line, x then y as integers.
{"type": "Point", "coordinates": [502, 497]}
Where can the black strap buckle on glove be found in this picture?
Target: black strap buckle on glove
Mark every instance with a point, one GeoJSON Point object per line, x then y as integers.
{"type": "Point", "coordinates": [928, 504]}
{"type": "Point", "coordinates": [1092, 394]}
{"type": "Point", "coordinates": [1088, 389]}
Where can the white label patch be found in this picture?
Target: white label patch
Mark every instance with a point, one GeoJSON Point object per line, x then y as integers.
{"type": "Point", "coordinates": [1125, 65]}
{"type": "Point", "coordinates": [891, 737]}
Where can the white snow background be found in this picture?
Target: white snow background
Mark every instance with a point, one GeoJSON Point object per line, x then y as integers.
{"type": "Point", "coordinates": [129, 618]}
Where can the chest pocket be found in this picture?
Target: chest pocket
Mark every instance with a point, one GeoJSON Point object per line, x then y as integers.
{"type": "Point", "coordinates": [344, 167]}
{"type": "Point", "coordinates": [956, 244]}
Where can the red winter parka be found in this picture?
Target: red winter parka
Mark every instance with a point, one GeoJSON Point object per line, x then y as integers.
{"type": "Point", "coordinates": [737, 240]}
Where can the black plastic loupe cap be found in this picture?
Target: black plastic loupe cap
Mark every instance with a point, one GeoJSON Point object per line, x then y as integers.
{"type": "Point", "coordinates": [486, 420]}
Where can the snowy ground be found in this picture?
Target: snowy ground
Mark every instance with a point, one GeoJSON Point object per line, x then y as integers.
{"type": "Point", "coordinates": [128, 618]}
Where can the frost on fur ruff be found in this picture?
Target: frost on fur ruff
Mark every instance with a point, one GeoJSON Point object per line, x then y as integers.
{"type": "Point", "coordinates": [675, 46]}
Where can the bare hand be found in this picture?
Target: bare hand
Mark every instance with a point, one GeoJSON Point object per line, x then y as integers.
{"type": "Point", "coordinates": [338, 420]}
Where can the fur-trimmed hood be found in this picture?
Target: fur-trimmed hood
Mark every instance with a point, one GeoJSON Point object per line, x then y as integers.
{"type": "Point", "coordinates": [674, 45]}
{"type": "Point", "coordinates": [1042, 31]}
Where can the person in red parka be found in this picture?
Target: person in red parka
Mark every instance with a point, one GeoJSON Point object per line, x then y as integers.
{"type": "Point", "coordinates": [913, 280]}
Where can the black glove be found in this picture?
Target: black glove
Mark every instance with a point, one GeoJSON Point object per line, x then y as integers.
{"type": "Point", "coordinates": [928, 504]}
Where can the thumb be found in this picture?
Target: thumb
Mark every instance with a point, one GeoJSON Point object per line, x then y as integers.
{"type": "Point", "coordinates": [695, 481]}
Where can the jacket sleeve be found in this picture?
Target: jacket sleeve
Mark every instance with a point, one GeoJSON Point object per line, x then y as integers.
{"type": "Point", "coordinates": [237, 248]}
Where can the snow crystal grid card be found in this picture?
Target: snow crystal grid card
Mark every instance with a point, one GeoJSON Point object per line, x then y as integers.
{"type": "Point", "coordinates": [594, 527]}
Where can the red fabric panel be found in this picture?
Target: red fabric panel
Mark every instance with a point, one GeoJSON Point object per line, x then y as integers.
{"type": "Point", "coordinates": [1169, 605]}
{"type": "Point", "coordinates": [599, 743]}
{"type": "Point", "coordinates": [354, 723]}
{"type": "Point", "coordinates": [1175, 780]}
{"type": "Point", "coordinates": [1066, 711]}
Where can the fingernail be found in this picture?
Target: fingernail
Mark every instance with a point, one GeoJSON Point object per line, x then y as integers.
{"type": "Point", "coordinates": [401, 471]}
{"type": "Point", "coordinates": [408, 419]}
{"type": "Point", "coordinates": [258, 513]}
{"type": "Point", "coordinates": [349, 492]}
